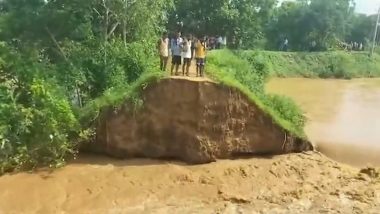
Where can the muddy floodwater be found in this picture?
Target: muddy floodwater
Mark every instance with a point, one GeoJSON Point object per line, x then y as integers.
{"type": "Point", "coordinates": [343, 121]}
{"type": "Point", "coordinates": [343, 115]}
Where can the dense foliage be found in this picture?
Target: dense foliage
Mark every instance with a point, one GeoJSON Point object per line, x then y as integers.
{"type": "Point", "coordinates": [56, 57]}
{"type": "Point", "coordinates": [264, 24]}
{"type": "Point", "coordinates": [37, 123]}
{"type": "Point", "coordinates": [241, 19]}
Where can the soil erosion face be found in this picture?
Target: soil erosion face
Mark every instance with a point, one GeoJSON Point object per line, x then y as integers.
{"type": "Point", "coordinates": [193, 121]}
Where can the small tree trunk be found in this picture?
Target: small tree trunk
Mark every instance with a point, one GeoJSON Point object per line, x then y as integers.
{"type": "Point", "coordinates": [125, 32]}
{"type": "Point", "coordinates": [125, 22]}
{"type": "Point", "coordinates": [106, 23]}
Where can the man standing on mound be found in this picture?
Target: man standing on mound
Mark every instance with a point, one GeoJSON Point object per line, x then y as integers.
{"type": "Point", "coordinates": [200, 56]}
{"type": "Point", "coordinates": [176, 47]}
{"type": "Point", "coordinates": [186, 54]}
{"type": "Point", "coordinates": [163, 50]}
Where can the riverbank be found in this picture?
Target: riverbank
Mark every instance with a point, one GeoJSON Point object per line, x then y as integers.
{"type": "Point", "coordinates": [334, 64]}
{"type": "Point", "coordinates": [289, 184]}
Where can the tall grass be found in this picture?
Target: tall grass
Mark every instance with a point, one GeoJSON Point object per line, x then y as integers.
{"type": "Point", "coordinates": [249, 76]}
{"type": "Point", "coordinates": [338, 64]}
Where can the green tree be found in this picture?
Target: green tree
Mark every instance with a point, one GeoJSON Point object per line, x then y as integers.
{"type": "Point", "coordinates": [361, 28]}
{"type": "Point", "coordinates": [93, 38]}
{"type": "Point", "coordinates": [52, 51]}
{"type": "Point", "coordinates": [322, 21]}
{"type": "Point", "coordinates": [241, 19]}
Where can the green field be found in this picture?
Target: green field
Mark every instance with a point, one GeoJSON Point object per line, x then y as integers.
{"type": "Point", "coordinates": [335, 64]}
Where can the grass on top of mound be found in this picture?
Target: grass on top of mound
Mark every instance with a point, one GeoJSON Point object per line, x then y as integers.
{"type": "Point", "coordinates": [333, 64]}
{"type": "Point", "coordinates": [250, 77]}
{"type": "Point", "coordinates": [116, 97]}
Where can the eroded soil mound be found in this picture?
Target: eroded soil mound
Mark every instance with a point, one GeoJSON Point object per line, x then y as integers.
{"type": "Point", "coordinates": [193, 121]}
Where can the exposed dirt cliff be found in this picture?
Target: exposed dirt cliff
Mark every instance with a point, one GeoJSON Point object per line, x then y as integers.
{"type": "Point", "coordinates": [193, 121]}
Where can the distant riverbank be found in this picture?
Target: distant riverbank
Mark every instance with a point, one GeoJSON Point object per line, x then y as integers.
{"type": "Point", "coordinates": [335, 64]}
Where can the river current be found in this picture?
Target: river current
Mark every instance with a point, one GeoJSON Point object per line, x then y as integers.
{"type": "Point", "coordinates": [343, 115]}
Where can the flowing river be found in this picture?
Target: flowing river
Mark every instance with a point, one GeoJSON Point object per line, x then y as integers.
{"type": "Point", "coordinates": [344, 120]}
{"type": "Point", "coordinates": [343, 116]}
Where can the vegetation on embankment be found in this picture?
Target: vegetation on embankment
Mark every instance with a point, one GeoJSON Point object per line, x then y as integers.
{"type": "Point", "coordinates": [39, 125]}
{"type": "Point", "coordinates": [41, 122]}
{"type": "Point", "coordinates": [331, 64]}
{"type": "Point", "coordinates": [250, 77]}
{"type": "Point", "coordinates": [54, 76]}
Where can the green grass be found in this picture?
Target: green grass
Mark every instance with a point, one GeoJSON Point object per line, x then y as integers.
{"type": "Point", "coordinates": [250, 77]}
{"type": "Point", "coordinates": [335, 64]}
{"type": "Point", "coordinates": [116, 97]}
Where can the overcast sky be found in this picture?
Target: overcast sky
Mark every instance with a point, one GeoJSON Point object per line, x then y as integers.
{"type": "Point", "coordinates": [365, 6]}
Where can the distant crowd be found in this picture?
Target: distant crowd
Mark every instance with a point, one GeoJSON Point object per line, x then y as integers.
{"type": "Point", "coordinates": [313, 47]}
{"type": "Point", "coordinates": [183, 50]}
{"type": "Point", "coordinates": [355, 46]}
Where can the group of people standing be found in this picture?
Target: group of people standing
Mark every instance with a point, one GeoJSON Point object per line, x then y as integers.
{"type": "Point", "coordinates": [356, 46]}
{"type": "Point", "coordinates": [182, 50]}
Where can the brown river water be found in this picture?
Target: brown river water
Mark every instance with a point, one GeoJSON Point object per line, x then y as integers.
{"type": "Point", "coordinates": [343, 116]}
{"type": "Point", "coordinates": [344, 121]}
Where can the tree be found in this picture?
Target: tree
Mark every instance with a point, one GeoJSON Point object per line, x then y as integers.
{"type": "Point", "coordinates": [361, 28]}
{"type": "Point", "coordinates": [322, 21]}
{"type": "Point", "coordinates": [242, 19]}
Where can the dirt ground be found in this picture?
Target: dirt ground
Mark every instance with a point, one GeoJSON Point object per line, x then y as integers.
{"type": "Point", "coordinates": [288, 184]}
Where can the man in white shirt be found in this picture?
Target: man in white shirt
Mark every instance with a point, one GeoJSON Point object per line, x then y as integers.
{"type": "Point", "coordinates": [219, 42]}
{"type": "Point", "coordinates": [187, 55]}
{"type": "Point", "coordinates": [176, 47]}
{"type": "Point", "coordinates": [163, 50]}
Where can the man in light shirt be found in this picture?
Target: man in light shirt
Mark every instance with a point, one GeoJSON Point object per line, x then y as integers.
{"type": "Point", "coordinates": [176, 47]}
{"type": "Point", "coordinates": [187, 55]}
{"type": "Point", "coordinates": [219, 44]}
{"type": "Point", "coordinates": [163, 49]}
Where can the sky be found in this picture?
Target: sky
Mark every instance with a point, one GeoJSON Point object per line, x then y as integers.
{"type": "Point", "coordinates": [365, 6]}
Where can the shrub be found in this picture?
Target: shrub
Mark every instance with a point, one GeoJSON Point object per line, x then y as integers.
{"type": "Point", "coordinates": [95, 68]}
{"type": "Point", "coordinates": [37, 124]}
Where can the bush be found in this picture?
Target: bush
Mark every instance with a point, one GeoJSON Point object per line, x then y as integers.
{"type": "Point", "coordinates": [37, 124]}
{"type": "Point", "coordinates": [94, 70]}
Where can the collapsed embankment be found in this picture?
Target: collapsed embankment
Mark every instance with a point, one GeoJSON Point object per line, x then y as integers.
{"type": "Point", "coordinates": [193, 121]}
